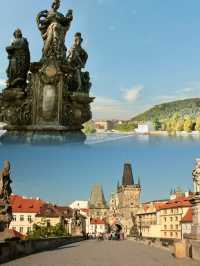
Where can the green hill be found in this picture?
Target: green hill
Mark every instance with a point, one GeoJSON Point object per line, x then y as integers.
{"type": "Point", "coordinates": [163, 111]}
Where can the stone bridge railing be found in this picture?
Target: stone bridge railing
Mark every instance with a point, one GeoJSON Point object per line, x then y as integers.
{"type": "Point", "coordinates": [14, 249]}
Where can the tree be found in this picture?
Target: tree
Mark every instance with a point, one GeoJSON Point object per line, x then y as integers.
{"type": "Point", "coordinates": [188, 124]}
{"type": "Point", "coordinates": [157, 124]}
{"type": "Point", "coordinates": [197, 127]}
{"type": "Point", "coordinates": [180, 125]}
{"type": "Point", "coordinates": [89, 128]}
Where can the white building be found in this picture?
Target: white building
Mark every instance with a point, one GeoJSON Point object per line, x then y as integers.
{"type": "Point", "coordinates": [24, 213]}
{"type": "Point", "coordinates": [144, 128]}
{"type": "Point", "coordinates": [97, 226]}
{"type": "Point", "coordinates": [79, 204]}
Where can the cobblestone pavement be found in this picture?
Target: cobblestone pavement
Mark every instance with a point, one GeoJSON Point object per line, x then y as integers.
{"type": "Point", "coordinates": [105, 253]}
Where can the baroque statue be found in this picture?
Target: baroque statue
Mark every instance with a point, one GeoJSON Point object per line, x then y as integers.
{"type": "Point", "coordinates": [19, 61]}
{"type": "Point", "coordinates": [52, 94]}
{"type": "Point", "coordinates": [54, 26]}
{"type": "Point", "coordinates": [5, 181]}
{"type": "Point", "coordinates": [77, 58]}
{"type": "Point", "coordinates": [196, 177]}
{"type": "Point", "coordinates": [5, 192]}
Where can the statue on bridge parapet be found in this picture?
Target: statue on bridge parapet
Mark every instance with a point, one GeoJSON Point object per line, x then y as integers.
{"type": "Point", "coordinates": [5, 192]}
{"type": "Point", "coordinates": [196, 177]}
{"type": "Point", "coordinates": [54, 27]}
{"type": "Point", "coordinates": [19, 61]}
{"type": "Point", "coordinates": [77, 58]}
{"type": "Point", "coordinates": [53, 94]}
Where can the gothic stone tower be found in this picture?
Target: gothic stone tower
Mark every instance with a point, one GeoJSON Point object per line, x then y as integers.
{"type": "Point", "coordinates": [98, 208]}
{"type": "Point", "coordinates": [128, 194]}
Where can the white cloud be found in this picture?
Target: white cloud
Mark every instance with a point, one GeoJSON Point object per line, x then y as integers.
{"type": "Point", "coordinates": [131, 95]}
{"type": "Point", "coordinates": [2, 82]}
{"type": "Point", "coordinates": [108, 108]}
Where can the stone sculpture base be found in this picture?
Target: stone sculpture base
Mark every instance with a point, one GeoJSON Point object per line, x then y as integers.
{"type": "Point", "coordinates": [37, 137]}
{"type": "Point", "coordinates": [195, 231]}
{"type": "Point", "coordinates": [5, 219]}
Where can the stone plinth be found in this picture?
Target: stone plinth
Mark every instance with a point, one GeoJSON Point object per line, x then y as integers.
{"type": "Point", "coordinates": [180, 249]}
{"type": "Point", "coordinates": [195, 230]}
{"type": "Point", "coordinates": [195, 249]}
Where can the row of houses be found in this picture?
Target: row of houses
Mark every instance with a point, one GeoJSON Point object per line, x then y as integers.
{"type": "Point", "coordinates": [28, 212]}
{"type": "Point", "coordinates": [169, 219]}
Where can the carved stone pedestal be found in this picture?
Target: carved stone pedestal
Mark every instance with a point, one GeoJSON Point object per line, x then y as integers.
{"type": "Point", "coordinates": [195, 231]}
{"type": "Point", "coordinates": [193, 239]}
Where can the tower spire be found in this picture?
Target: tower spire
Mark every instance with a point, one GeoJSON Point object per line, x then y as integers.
{"type": "Point", "coordinates": [127, 179]}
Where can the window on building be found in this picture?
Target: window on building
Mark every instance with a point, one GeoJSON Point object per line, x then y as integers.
{"type": "Point", "coordinates": [172, 210]}
{"type": "Point", "coordinates": [28, 230]}
{"type": "Point", "coordinates": [176, 218]}
{"type": "Point", "coordinates": [21, 229]}
{"type": "Point", "coordinates": [165, 211]}
{"type": "Point", "coordinates": [165, 227]}
{"type": "Point", "coordinates": [21, 218]}
{"type": "Point", "coordinates": [176, 235]}
{"type": "Point", "coordinates": [14, 218]}
{"type": "Point", "coordinates": [29, 218]}
{"type": "Point", "coordinates": [48, 223]}
{"type": "Point", "coordinates": [171, 219]}
{"type": "Point", "coordinates": [165, 233]}
{"type": "Point", "coordinates": [177, 226]}
{"type": "Point", "coordinates": [171, 234]}
{"type": "Point", "coordinates": [171, 226]}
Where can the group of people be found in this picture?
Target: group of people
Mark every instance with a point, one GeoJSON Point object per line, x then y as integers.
{"type": "Point", "coordinates": [106, 236]}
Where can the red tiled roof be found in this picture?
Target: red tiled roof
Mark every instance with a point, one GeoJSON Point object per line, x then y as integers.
{"type": "Point", "coordinates": [49, 210]}
{"type": "Point", "coordinates": [25, 205]}
{"type": "Point", "coordinates": [14, 233]}
{"type": "Point", "coordinates": [97, 221]}
{"type": "Point", "coordinates": [84, 210]}
{"type": "Point", "coordinates": [188, 217]}
{"type": "Point", "coordinates": [179, 202]}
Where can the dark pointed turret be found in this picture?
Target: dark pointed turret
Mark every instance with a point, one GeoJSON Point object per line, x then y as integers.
{"type": "Point", "coordinates": [127, 179]}
{"type": "Point", "coordinates": [139, 181]}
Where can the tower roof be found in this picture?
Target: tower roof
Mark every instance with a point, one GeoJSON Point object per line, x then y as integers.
{"type": "Point", "coordinates": [127, 179]}
{"type": "Point", "coordinates": [97, 199]}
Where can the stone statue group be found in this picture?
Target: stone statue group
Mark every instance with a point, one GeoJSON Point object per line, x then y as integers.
{"type": "Point", "coordinates": [54, 92]}
{"type": "Point", "coordinates": [53, 27]}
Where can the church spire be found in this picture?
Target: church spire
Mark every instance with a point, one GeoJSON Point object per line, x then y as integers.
{"type": "Point", "coordinates": [127, 179]}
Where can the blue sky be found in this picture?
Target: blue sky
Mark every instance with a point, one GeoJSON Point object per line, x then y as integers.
{"type": "Point", "coordinates": [64, 173]}
{"type": "Point", "coordinates": [141, 52]}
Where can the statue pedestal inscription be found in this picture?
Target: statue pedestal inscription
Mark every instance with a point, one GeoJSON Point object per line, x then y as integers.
{"type": "Point", "coordinates": [52, 94]}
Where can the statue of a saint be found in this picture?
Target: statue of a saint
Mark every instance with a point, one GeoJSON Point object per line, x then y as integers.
{"type": "Point", "coordinates": [19, 61]}
{"type": "Point", "coordinates": [54, 26]}
{"type": "Point", "coordinates": [5, 181]}
{"type": "Point", "coordinates": [196, 177]}
{"type": "Point", "coordinates": [77, 58]}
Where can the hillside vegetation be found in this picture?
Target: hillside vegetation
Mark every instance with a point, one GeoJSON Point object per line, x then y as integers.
{"type": "Point", "coordinates": [161, 112]}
